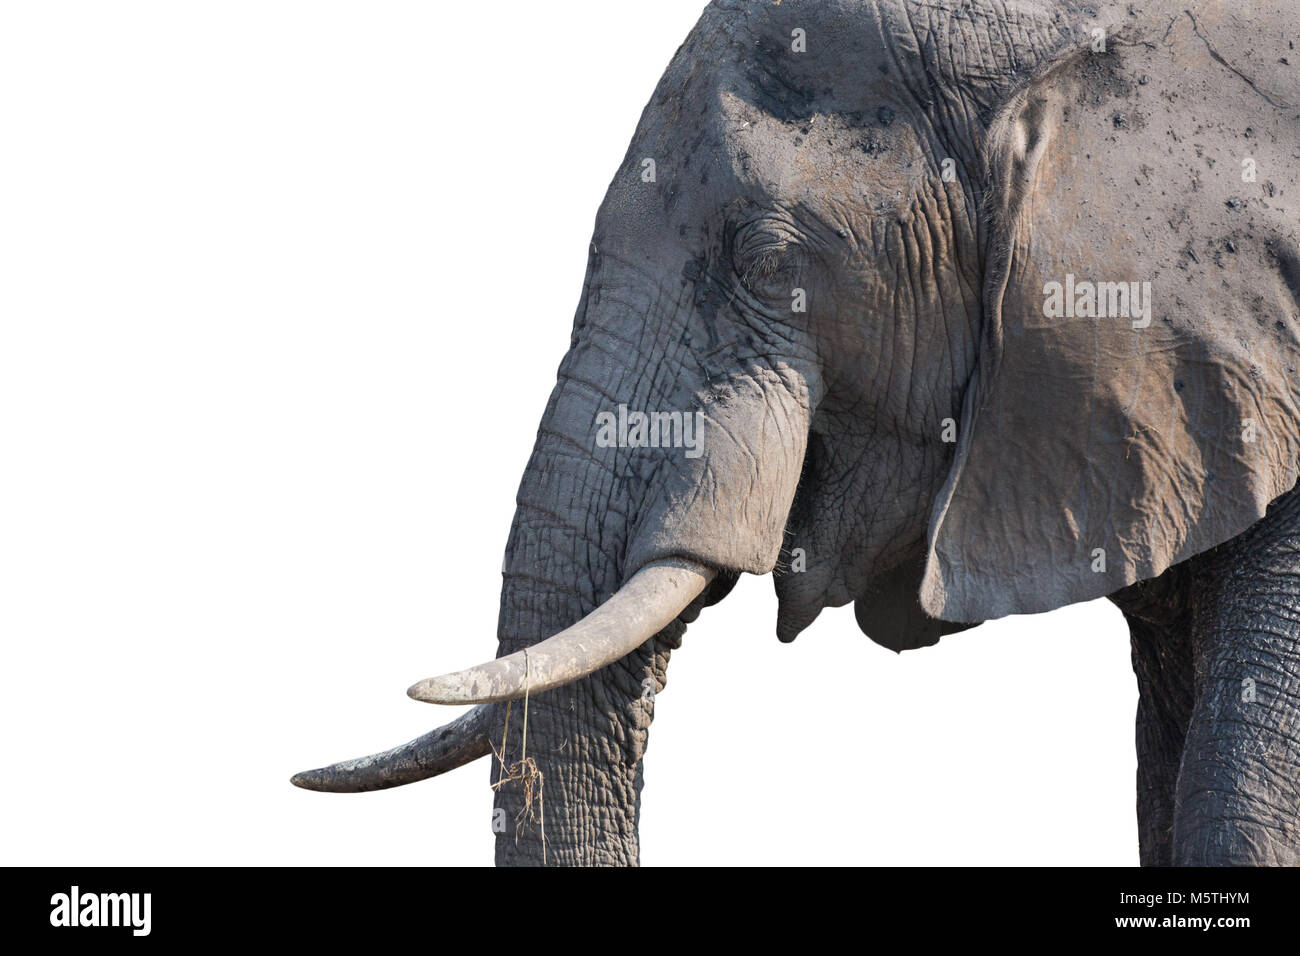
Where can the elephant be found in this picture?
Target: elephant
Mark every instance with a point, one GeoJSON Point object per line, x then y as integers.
{"type": "Point", "coordinates": [951, 310]}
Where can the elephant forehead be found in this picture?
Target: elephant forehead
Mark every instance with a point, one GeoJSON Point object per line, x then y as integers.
{"type": "Point", "coordinates": [857, 157]}
{"type": "Point", "coordinates": [951, 62]}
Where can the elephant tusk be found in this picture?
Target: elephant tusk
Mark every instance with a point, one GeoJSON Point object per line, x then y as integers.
{"type": "Point", "coordinates": [462, 741]}
{"type": "Point", "coordinates": [641, 608]}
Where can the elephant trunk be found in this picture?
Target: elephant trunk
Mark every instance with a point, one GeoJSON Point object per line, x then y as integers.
{"type": "Point", "coordinates": [567, 774]}
{"type": "Point", "coordinates": [592, 517]}
{"type": "Point", "coordinates": [654, 481]}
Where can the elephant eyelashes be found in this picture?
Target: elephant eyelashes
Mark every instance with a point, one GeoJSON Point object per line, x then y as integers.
{"type": "Point", "coordinates": [768, 270]}
{"type": "Point", "coordinates": [767, 258]}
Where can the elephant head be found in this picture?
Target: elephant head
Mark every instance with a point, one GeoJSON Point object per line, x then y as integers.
{"type": "Point", "coordinates": [812, 341]}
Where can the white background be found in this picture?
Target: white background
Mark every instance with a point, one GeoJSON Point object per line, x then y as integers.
{"type": "Point", "coordinates": [284, 287]}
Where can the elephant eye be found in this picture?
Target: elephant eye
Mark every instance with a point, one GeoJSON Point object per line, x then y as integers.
{"type": "Point", "coordinates": [766, 256]}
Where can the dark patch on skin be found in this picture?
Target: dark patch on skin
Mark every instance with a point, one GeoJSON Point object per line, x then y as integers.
{"type": "Point", "coordinates": [709, 297]}
{"type": "Point", "coordinates": [1103, 78]}
{"type": "Point", "coordinates": [775, 90]}
{"type": "Point", "coordinates": [872, 144]}
{"type": "Point", "coordinates": [670, 195]}
{"type": "Point", "coordinates": [1287, 264]}
{"type": "Point", "coordinates": [1129, 120]}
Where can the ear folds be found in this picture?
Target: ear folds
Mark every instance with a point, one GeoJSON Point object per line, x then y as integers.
{"type": "Point", "coordinates": [1136, 399]}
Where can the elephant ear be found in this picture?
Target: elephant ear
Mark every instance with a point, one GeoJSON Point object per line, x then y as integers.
{"type": "Point", "coordinates": [1097, 450]}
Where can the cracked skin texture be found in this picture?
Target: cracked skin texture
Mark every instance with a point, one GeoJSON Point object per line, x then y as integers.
{"type": "Point", "coordinates": [822, 171]}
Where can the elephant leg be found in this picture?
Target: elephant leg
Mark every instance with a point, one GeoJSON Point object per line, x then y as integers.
{"type": "Point", "coordinates": [1159, 632]}
{"type": "Point", "coordinates": [1238, 794]}
{"type": "Point", "coordinates": [1164, 675]}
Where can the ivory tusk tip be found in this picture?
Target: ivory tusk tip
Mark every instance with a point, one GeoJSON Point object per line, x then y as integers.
{"type": "Point", "coordinates": [434, 690]}
{"type": "Point", "coordinates": [417, 691]}
{"type": "Point", "coordinates": [308, 780]}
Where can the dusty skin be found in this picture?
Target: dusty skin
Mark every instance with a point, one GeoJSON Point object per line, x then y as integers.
{"type": "Point", "coordinates": [986, 308]}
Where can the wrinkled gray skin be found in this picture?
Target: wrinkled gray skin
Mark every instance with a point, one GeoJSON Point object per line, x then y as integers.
{"type": "Point", "coordinates": [823, 170]}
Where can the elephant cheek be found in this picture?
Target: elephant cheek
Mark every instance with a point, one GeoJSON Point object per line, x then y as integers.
{"type": "Point", "coordinates": [727, 508]}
